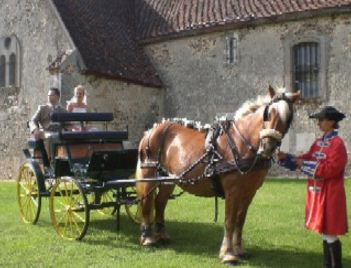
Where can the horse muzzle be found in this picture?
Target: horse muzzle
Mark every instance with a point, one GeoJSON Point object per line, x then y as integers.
{"type": "Point", "coordinates": [270, 139]}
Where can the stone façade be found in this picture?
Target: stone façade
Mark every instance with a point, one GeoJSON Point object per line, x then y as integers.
{"type": "Point", "coordinates": [198, 81]}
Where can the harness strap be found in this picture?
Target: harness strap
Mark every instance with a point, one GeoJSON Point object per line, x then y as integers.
{"type": "Point", "coordinates": [157, 164]}
{"type": "Point", "coordinates": [245, 141]}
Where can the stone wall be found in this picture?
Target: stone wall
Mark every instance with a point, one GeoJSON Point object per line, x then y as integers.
{"type": "Point", "coordinates": [200, 83]}
{"type": "Point", "coordinates": [42, 38]}
{"type": "Point", "coordinates": [13, 115]}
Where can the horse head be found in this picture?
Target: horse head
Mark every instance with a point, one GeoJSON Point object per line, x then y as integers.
{"type": "Point", "coordinates": [277, 116]}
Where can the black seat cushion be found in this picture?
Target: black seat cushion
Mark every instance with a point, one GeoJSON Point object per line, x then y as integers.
{"type": "Point", "coordinates": [94, 135]}
{"type": "Point", "coordinates": [81, 117]}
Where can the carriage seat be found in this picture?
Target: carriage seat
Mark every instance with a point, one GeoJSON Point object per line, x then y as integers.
{"type": "Point", "coordinates": [94, 135]}
{"type": "Point", "coordinates": [81, 117]}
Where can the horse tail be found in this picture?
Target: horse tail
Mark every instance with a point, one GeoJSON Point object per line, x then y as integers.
{"type": "Point", "coordinates": [150, 148]}
{"type": "Point", "coordinates": [142, 154]}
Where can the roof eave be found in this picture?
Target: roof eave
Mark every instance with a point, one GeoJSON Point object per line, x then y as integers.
{"type": "Point", "coordinates": [249, 22]}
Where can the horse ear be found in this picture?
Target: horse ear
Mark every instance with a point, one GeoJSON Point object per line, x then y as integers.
{"type": "Point", "coordinates": [294, 96]}
{"type": "Point", "coordinates": [271, 91]}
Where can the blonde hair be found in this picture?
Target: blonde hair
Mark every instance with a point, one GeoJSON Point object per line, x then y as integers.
{"type": "Point", "coordinates": [74, 98]}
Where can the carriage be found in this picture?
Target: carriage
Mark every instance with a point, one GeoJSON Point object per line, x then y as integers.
{"type": "Point", "coordinates": [89, 170]}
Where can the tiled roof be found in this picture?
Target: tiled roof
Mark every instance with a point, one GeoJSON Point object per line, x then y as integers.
{"type": "Point", "coordinates": [164, 17]}
{"type": "Point", "coordinates": [104, 33]}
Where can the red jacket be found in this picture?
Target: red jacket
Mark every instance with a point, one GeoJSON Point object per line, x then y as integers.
{"type": "Point", "coordinates": [324, 164]}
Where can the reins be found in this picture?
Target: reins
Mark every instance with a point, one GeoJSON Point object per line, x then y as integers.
{"type": "Point", "coordinates": [234, 149]}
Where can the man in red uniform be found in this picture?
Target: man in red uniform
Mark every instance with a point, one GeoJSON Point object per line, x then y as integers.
{"type": "Point", "coordinates": [324, 164]}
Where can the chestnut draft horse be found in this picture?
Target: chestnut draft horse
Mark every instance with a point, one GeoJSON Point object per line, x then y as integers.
{"type": "Point", "coordinates": [232, 158]}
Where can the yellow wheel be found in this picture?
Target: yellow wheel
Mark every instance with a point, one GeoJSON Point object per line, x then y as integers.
{"type": "Point", "coordinates": [69, 210]}
{"type": "Point", "coordinates": [28, 196]}
{"type": "Point", "coordinates": [106, 197]}
{"type": "Point", "coordinates": [134, 210]}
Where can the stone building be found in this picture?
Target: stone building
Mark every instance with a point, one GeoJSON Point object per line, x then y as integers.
{"type": "Point", "coordinates": [147, 59]}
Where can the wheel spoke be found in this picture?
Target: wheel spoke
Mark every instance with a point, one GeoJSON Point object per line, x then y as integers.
{"type": "Point", "coordinates": [78, 216]}
{"type": "Point", "coordinates": [78, 228]}
{"type": "Point", "coordinates": [64, 214]}
{"type": "Point", "coordinates": [34, 201]}
{"type": "Point", "coordinates": [24, 187]}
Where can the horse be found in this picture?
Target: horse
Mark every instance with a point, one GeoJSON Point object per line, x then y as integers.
{"type": "Point", "coordinates": [231, 159]}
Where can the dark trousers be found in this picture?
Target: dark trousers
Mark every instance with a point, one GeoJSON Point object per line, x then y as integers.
{"type": "Point", "coordinates": [332, 254]}
{"type": "Point", "coordinates": [44, 155]}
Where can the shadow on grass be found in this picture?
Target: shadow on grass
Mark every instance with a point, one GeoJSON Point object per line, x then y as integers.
{"type": "Point", "coordinates": [202, 239]}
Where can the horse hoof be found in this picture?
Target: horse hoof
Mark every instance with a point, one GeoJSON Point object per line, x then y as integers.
{"type": "Point", "coordinates": [230, 259]}
{"type": "Point", "coordinates": [147, 242]}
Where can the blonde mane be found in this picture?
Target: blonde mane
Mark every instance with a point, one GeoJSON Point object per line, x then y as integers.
{"type": "Point", "coordinates": [251, 106]}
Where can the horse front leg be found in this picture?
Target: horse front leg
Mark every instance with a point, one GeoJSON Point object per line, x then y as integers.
{"type": "Point", "coordinates": [237, 237]}
{"type": "Point", "coordinates": [160, 206]}
{"type": "Point", "coordinates": [249, 187]}
{"type": "Point", "coordinates": [227, 252]}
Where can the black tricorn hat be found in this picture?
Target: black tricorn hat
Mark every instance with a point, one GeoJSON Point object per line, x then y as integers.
{"type": "Point", "coordinates": [330, 113]}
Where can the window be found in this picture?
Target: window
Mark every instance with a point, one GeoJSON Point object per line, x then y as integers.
{"type": "Point", "coordinates": [7, 42]}
{"type": "Point", "coordinates": [232, 49]}
{"type": "Point", "coordinates": [2, 71]}
{"type": "Point", "coordinates": [9, 62]}
{"type": "Point", "coordinates": [305, 69]}
{"type": "Point", "coordinates": [12, 70]}
{"type": "Point", "coordinates": [306, 63]}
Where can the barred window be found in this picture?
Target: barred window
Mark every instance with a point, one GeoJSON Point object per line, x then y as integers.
{"type": "Point", "coordinates": [2, 71]}
{"type": "Point", "coordinates": [232, 49]}
{"type": "Point", "coordinates": [306, 69]}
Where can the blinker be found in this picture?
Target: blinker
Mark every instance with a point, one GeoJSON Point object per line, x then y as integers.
{"type": "Point", "coordinates": [265, 113]}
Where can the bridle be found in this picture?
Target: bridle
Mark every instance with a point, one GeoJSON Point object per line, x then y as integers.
{"type": "Point", "coordinates": [273, 133]}
{"type": "Point", "coordinates": [264, 133]}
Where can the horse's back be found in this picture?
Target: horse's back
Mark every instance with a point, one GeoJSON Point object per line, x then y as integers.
{"type": "Point", "coordinates": [176, 148]}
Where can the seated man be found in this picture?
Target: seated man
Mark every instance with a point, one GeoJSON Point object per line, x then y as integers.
{"type": "Point", "coordinates": [42, 119]}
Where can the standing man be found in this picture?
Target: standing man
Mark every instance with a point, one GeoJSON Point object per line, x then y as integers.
{"type": "Point", "coordinates": [41, 121]}
{"type": "Point", "coordinates": [324, 164]}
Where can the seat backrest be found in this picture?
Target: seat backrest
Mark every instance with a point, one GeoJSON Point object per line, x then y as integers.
{"type": "Point", "coordinates": [81, 117]}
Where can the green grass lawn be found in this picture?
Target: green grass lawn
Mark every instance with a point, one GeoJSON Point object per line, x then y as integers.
{"type": "Point", "coordinates": [274, 235]}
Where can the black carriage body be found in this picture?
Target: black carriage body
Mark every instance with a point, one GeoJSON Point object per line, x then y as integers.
{"type": "Point", "coordinates": [82, 164]}
{"type": "Point", "coordinates": [97, 155]}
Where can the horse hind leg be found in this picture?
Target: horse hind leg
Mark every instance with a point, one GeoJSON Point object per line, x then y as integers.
{"type": "Point", "coordinates": [144, 190]}
{"type": "Point", "coordinates": [160, 206]}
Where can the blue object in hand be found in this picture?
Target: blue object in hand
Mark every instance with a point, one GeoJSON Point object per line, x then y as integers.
{"type": "Point", "coordinates": [288, 162]}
